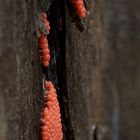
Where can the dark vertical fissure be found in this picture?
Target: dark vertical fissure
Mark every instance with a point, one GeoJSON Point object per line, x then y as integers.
{"type": "Point", "coordinates": [56, 72]}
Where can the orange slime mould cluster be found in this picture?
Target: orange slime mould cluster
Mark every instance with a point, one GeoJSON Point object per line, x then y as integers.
{"type": "Point", "coordinates": [79, 8]}
{"type": "Point", "coordinates": [45, 21]}
{"type": "Point", "coordinates": [43, 42]}
{"type": "Point", "coordinates": [51, 117]}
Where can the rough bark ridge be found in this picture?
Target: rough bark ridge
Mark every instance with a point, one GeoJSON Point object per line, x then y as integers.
{"type": "Point", "coordinates": [20, 84]}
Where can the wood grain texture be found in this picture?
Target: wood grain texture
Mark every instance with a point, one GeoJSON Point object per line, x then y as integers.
{"type": "Point", "coordinates": [20, 76]}
{"type": "Point", "coordinates": [103, 71]}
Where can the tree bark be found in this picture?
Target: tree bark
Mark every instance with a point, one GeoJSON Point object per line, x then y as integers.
{"type": "Point", "coordinates": [96, 71]}
{"type": "Point", "coordinates": [103, 65]}
{"type": "Point", "coordinates": [20, 74]}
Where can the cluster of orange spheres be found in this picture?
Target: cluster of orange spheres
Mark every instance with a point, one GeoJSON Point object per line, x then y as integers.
{"type": "Point", "coordinates": [43, 42]}
{"type": "Point", "coordinates": [45, 51]}
{"type": "Point", "coordinates": [51, 117]}
{"type": "Point", "coordinates": [45, 21]}
{"type": "Point", "coordinates": [79, 8]}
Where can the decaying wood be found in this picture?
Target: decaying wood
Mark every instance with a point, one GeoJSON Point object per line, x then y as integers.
{"type": "Point", "coordinates": [96, 71]}
{"type": "Point", "coordinates": [20, 74]}
{"type": "Point", "coordinates": [103, 71]}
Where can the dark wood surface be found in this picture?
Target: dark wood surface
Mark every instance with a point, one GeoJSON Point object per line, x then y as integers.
{"type": "Point", "coordinates": [103, 72]}
{"type": "Point", "coordinates": [20, 74]}
{"type": "Point", "coordinates": [98, 77]}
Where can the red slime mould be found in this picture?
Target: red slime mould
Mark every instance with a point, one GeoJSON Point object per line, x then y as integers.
{"type": "Point", "coordinates": [79, 8]}
{"type": "Point", "coordinates": [45, 51]}
{"type": "Point", "coordinates": [51, 117]}
{"type": "Point", "coordinates": [45, 21]}
{"type": "Point", "coordinates": [43, 42]}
